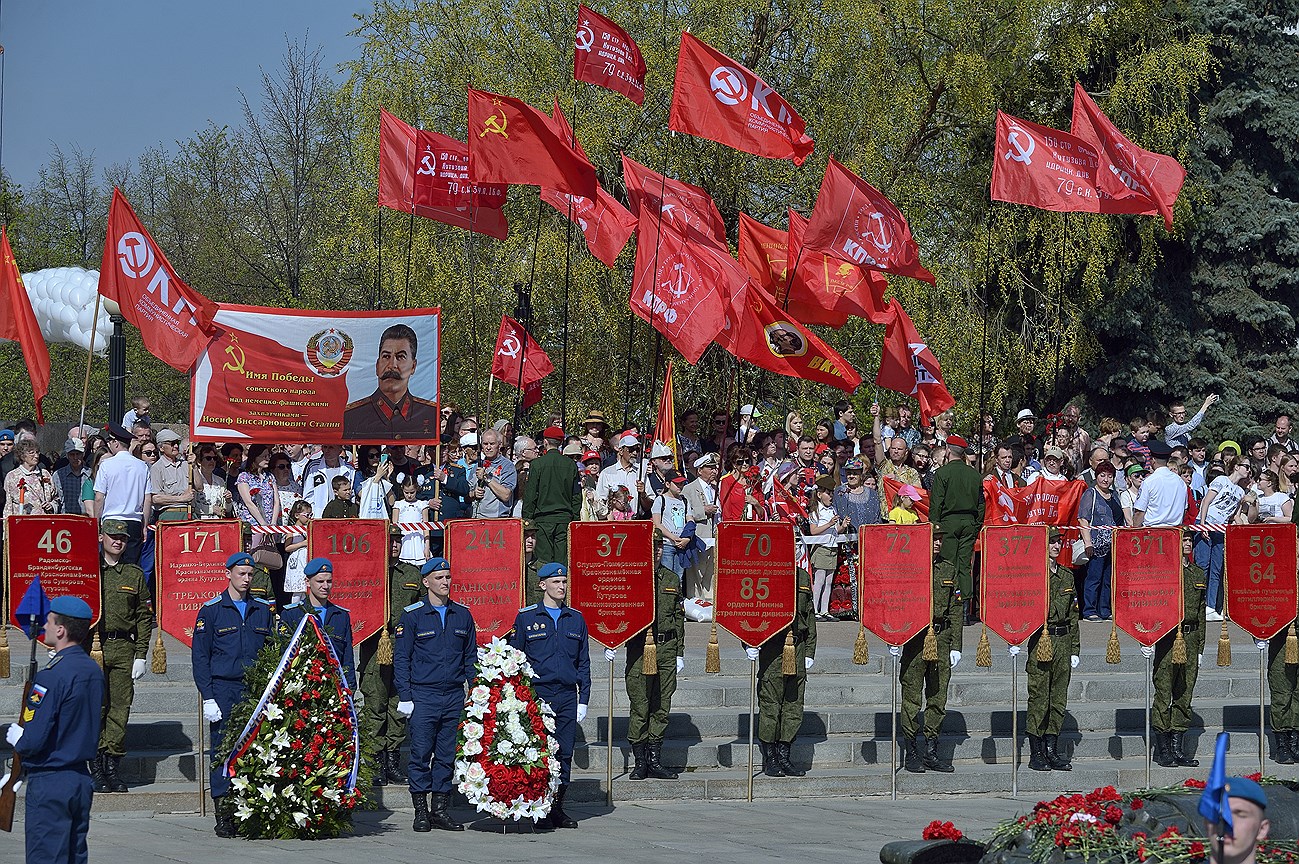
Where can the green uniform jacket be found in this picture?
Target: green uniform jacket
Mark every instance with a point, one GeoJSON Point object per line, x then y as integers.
{"type": "Point", "coordinates": [957, 491]}
{"type": "Point", "coordinates": [669, 618]}
{"type": "Point", "coordinates": [405, 586]}
{"type": "Point", "coordinates": [1061, 611]}
{"type": "Point", "coordinates": [127, 607]}
{"type": "Point", "coordinates": [949, 609]}
{"type": "Point", "coordinates": [552, 491]}
{"type": "Point", "coordinates": [261, 586]}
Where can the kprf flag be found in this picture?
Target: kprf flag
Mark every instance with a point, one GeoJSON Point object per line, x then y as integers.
{"type": "Point", "coordinates": [604, 55]}
{"type": "Point", "coordinates": [828, 283]}
{"type": "Point", "coordinates": [1045, 168]}
{"type": "Point", "coordinates": [18, 323]}
{"type": "Point", "coordinates": [665, 425]}
{"type": "Point", "coordinates": [427, 174]}
{"type": "Point", "coordinates": [685, 207]}
{"type": "Point", "coordinates": [519, 360]}
{"type": "Point", "coordinates": [175, 321]}
{"type": "Point", "coordinates": [908, 366]}
{"type": "Point", "coordinates": [716, 98]}
{"type": "Point", "coordinates": [852, 220]}
{"type": "Point", "coordinates": [1042, 502]}
{"type": "Point", "coordinates": [1139, 181]}
{"type": "Point", "coordinates": [512, 142]}
{"type": "Point", "coordinates": [681, 285]}
{"type": "Point", "coordinates": [768, 255]}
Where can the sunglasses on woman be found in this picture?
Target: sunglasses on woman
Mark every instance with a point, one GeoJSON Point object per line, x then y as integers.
{"type": "Point", "coordinates": [149, 452]}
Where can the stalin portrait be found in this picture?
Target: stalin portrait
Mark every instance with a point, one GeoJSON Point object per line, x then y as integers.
{"type": "Point", "coordinates": [391, 412]}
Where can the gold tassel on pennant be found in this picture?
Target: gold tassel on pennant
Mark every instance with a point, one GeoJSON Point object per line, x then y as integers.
{"type": "Point", "coordinates": [1045, 648]}
{"type": "Point", "coordinates": [1112, 654]}
{"type": "Point", "coordinates": [383, 651]}
{"type": "Point", "coordinates": [649, 664]}
{"type": "Point", "coordinates": [930, 652]}
{"type": "Point", "coordinates": [97, 651]}
{"type": "Point", "coordinates": [983, 654]}
{"type": "Point", "coordinates": [861, 652]}
{"type": "Point", "coordinates": [713, 662]}
{"type": "Point", "coordinates": [4, 650]}
{"type": "Point", "coordinates": [159, 664]}
{"type": "Point", "coordinates": [1291, 649]}
{"type": "Point", "coordinates": [787, 657]}
{"type": "Point", "coordinates": [1224, 647]}
{"type": "Point", "coordinates": [1178, 654]}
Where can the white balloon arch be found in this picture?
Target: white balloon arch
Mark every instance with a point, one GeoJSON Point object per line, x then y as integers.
{"type": "Point", "coordinates": [63, 299]}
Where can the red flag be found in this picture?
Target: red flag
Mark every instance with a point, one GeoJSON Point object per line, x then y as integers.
{"type": "Point", "coordinates": [665, 425]}
{"type": "Point", "coordinates": [512, 142]}
{"type": "Point", "coordinates": [908, 366]}
{"type": "Point", "coordinates": [767, 255]}
{"type": "Point", "coordinates": [519, 360]}
{"type": "Point", "coordinates": [833, 284]}
{"type": "Point", "coordinates": [681, 285]}
{"type": "Point", "coordinates": [175, 321]}
{"type": "Point", "coordinates": [853, 220]}
{"type": "Point", "coordinates": [1045, 168]}
{"type": "Point", "coordinates": [604, 55]}
{"type": "Point", "coordinates": [1138, 180]}
{"type": "Point", "coordinates": [18, 323]}
{"type": "Point", "coordinates": [429, 174]}
{"type": "Point", "coordinates": [716, 98]}
{"type": "Point", "coordinates": [892, 486]}
{"type": "Point", "coordinates": [1042, 502]}
{"type": "Point", "coordinates": [687, 208]}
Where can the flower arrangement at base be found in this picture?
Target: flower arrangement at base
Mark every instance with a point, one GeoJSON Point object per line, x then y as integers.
{"type": "Point", "coordinates": [506, 750]}
{"type": "Point", "coordinates": [292, 747]}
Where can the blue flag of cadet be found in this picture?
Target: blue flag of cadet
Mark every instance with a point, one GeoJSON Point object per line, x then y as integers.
{"type": "Point", "coordinates": [35, 602]}
{"type": "Point", "coordinates": [1214, 805]}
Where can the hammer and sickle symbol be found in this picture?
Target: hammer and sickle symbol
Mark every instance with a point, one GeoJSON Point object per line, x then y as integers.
{"type": "Point", "coordinates": [492, 124]}
{"type": "Point", "coordinates": [510, 346]}
{"type": "Point", "coordinates": [1022, 154]}
{"type": "Point", "coordinates": [237, 355]}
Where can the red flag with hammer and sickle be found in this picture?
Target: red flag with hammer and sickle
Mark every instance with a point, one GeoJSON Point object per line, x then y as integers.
{"type": "Point", "coordinates": [604, 55]}
{"type": "Point", "coordinates": [519, 360]}
{"type": "Point", "coordinates": [512, 142]}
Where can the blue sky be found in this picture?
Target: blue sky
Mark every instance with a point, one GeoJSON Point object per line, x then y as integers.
{"type": "Point", "coordinates": [117, 76]}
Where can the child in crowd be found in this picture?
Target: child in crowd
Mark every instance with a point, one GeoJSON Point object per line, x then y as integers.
{"type": "Point", "coordinates": [904, 508]}
{"type": "Point", "coordinates": [342, 507]}
{"type": "Point", "coordinates": [295, 550]}
{"type": "Point", "coordinates": [414, 544]}
{"type": "Point", "coordinates": [619, 503]}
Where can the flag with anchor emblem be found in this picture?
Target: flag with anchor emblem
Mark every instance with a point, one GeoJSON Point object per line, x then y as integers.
{"type": "Point", "coordinates": [512, 142]}
{"type": "Point", "coordinates": [681, 285]}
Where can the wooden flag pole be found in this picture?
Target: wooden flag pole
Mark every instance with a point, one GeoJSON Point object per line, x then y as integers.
{"type": "Point", "coordinates": [90, 355]}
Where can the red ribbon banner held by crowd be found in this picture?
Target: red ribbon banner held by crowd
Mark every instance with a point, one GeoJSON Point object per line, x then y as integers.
{"type": "Point", "coordinates": [1014, 584]}
{"type": "Point", "coordinates": [486, 558]}
{"type": "Point", "coordinates": [1260, 577]}
{"type": "Point", "coordinates": [756, 585]}
{"type": "Point", "coordinates": [1147, 595]}
{"type": "Point", "coordinates": [62, 551]}
{"type": "Point", "coordinates": [611, 578]}
{"type": "Point", "coordinates": [190, 569]}
{"type": "Point", "coordinates": [896, 584]}
{"type": "Point", "coordinates": [358, 549]}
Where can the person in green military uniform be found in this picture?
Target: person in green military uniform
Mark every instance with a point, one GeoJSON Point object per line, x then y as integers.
{"type": "Point", "coordinates": [1283, 683]}
{"type": "Point", "coordinates": [531, 581]}
{"type": "Point", "coordinates": [1051, 664]}
{"type": "Point", "coordinates": [956, 509]}
{"type": "Point", "coordinates": [386, 727]}
{"type": "Point", "coordinates": [929, 677]}
{"type": "Point", "coordinates": [263, 586]}
{"type": "Point", "coordinates": [552, 499]}
{"type": "Point", "coordinates": [780, 696]}
{"type": "Point", "coordinates": [1170, 715]}
{"type": "Point", "coordinates": [125, 625]}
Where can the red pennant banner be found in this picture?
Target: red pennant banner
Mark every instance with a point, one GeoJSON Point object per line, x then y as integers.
{"type": "Point", "coordinates": [1260, 571]}
{"type": "Point", "coordinates": [63, 551]}
{"type": "Point", "coordinates": [1014, 584]}
{"type": "Point", "coordinates": [1147, 595]}
{"type": "Point", "coordinates": [908, 366]}
{"type": "Point", "coordinates": [756, 584]}
{"type": "Point", "coordinates": [358, 549]}
{"type": "Point", "coordinates": [611, 578]}
{"type": "Point", "coordinates": [190, 569]}
{"type": "Point", "coordinates": [486, 558]}
{"type": "Point", "coordinates": [674, 203]}
{"type": "Point", "coordinates": [604, 55]}
{"type": "Point", "coordinates": [896, 580]}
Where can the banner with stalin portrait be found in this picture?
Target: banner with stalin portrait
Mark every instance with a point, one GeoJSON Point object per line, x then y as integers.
{"type": "Point", "coordinates": [357, 377]}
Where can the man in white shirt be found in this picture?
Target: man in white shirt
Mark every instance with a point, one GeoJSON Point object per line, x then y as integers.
{"type": "Point", "coordinates": [120, 485]}
{"type": "Point", "coordinates": [318, 477]}
{"type": "Point", "coordinates": [1162, 500]}
{"type": "Point", "coordinates": [1052, 462]}
{"type": "Point", "coordinates": [701, 499]}
{"type": "Point", "coordinates": [625, 472]}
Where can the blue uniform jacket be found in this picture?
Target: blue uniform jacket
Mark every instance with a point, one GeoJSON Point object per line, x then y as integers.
{"type": "Point", "coordinates": [428, 656]}
{"type": "Point", "coordinates": [558, 650]}
{"type": "Point", "coordinates": [337, 626]}
{"type": "Point", "coordinates": [61, 715]}
{"type": "Point", "coordinates": [226, 644]}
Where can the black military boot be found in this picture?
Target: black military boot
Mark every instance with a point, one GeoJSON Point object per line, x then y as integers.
{"type": "Point", "coordinates": [101, 782]}
{"type": "Point", "coordinates": [379, 777]}
{"type": "Point", "coordinates": [912, 761]}
{"type": "Point", "coordinates": [114, 782]}
{"type": "Point", "coordinates": [422, 823]}
{"type": "Point", "coordinates": [653, 755]}
{"type": "Point", "coordinates": [392, 768]}
{"type": "Point", "coordinates": [439, 818]}
{"type": "Point", "coordinates": [558, 818]}
{"type": "Point", "coordinates": [1282, 754]}
{"type": "Point", "coordinates": [782, 753]}
{"type": "Point", "coordinates": [1052, 749]}
{"type": "Point", "coordinates": [1179, 752]}
{"type": "Point", "coordinates": [770, 764]}
{"type": "Point", "coordinates": [640, 770]}
{"type": "Point", "coordinates": [1037, 754]}
{"type": "Point", "coordinates": [225, 819]}
{"type": "Point", "coordinates": [1294, 743]}
{"type": "Point", "coordinates": [931, 759]}
{"type": "Point", "coordinates": [1163, 750]}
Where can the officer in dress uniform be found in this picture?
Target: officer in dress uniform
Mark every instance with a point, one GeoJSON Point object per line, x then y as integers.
{"type": "Point", "coordinates": [379, 714]}
{"type": "Point", "coordinates": [929, 678]}
{"type": "Point", "coordinates": [334, 620]}
{"type": "Point", "coordinates": [391, 413]}
{"type": "Point", "coordinates": [956, 509]}
{"type": "Point", "coordinates": [229, 631]}
{"type": "Point", "coordinates": [1175, 682]}
{"type": "Point", "coordinates": [1283, 684]}
{"type": "Point", "coordinates": [554, 638]}
{"type": "Point", "coordinates": [433, 660]}
{"type": "Point", "coordinates": [1048, 680]}
{"type": "Point", "coordinates": [126, 623]}
{"type": "Point", "coordinates": [780, 696]}
{"type": "Point", "coordinates": [59, 736]}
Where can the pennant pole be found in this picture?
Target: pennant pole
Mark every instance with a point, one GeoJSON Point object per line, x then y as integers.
{"type": "Point", "coordinates": [1262, 701]}
{"type": "Point", "coordinates": [1014, 730]}
{"type": "Point", "coordinates": [90, 355]}
{"type": "Point", "coordinates": [378, 256]}
{"type": "Point", "coordinates": [893, 728]}
{"type": "Point", "coordinates": [1150, 669]}
{"type": "Point", "coordinates": [568, 264]}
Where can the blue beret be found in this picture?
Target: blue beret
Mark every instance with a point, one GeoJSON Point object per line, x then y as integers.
{"type": "Point", "coordinates": [71, 607]}
{"type": "Point", "coordinates": [238, 559]}
{"type": "Point", "coordinates": [1242, 787]}
{"type": "Point", "coordinates": [317, 565]}
{"type": "Point", "coordinates": [433, 565]}
{"type": "Point", "coordinates": [6, 434]}
{"type": "Point", "coordinates": [553, 569]}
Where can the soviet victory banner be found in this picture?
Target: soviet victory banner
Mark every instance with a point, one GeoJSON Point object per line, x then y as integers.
{"type": "Point", "coordinates": [1015, 581]}
{"type": "Point", "coordinates": [358, 549]}
{"type": "Point", "coordinates": [61, 551]}
{"type": "Point", "coordinates": [190, 569]}
{"type": "Point", "coordinates": [1260, 577]}
{"type": "Point", "coordinates": [1147, 595]}
{"type": "Point", "coordinates": [486, 558]}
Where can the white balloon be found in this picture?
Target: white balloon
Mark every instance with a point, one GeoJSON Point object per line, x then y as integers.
{"type": "Point", "coordinates": [63, 300]}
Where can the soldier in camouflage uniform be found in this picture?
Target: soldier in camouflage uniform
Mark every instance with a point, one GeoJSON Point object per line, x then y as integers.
{"type": "Point", "coordinates": [1175, 682]}
{"type": "Point", "coordinates": [929, 678]}
{"type": "Point", "coordinates": [780, 696]}
{"type": "Point", "coordinates": [1283, 682]}
{"type": "Point", "coordinates": [531, 582]}
{"type": "Point", "coordinates": [1048, 680]}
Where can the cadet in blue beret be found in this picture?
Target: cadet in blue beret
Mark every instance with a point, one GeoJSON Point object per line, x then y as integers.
{"type": "Point", "coordinates": [58, 736]}
{"type": "Point", "coordinates": [1249, 824]}
{"type": "Point", "coordinates": [229, 631]}
{"type": "Point", "coordinates": [335, 621]}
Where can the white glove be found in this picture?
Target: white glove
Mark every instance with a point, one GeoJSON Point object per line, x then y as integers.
{"type": "Point", "coordinates": [1073, 661]}
{"type": "Point", "coordinates": [405, 709]}
{"type": "Point", "coordinates": [12, 734]}
{"type": "Point", "coordinates": [609, 654]}
{"type": "Point", "coordinates": [1147, 651]}
{"type": "Point", "coordinates": [1260, 644]}
{"type": "Point", "coordinates": [1200, 660]}
{"type": "Point", "coordinates": [681, 665]}
{"type": "Point", "coordinates": [581, 712]}
{"type": "Point", "coordinates": [5, 779]}
{"type": "Point", "coordinates": [137, 670]}
{"type": "Point", "coordinates": [211, 711]}
{"type": "Point", "coordinates": [1012, 650]}
{"type": "Point", "coordinates": [751, 653]}
{"type": "Point", "coordinates": [895, 650]}
{"type": "Point", "coordinates": [807, 662]}
{"type": "Point", "coordinates": [955, 657]}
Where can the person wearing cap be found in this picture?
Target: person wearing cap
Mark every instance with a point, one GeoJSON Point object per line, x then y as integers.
{"type": "Point", "coordinates": [552, 499]}
{"type": "Point", "coordinates": [1249, 824]}
{"type": "Point", "coordinates": [531, 566]}
{"type": "Point", "coordinates": [553, 636]}
{"type": "Point", "coordinates": [781, 696]}
{"type": "Point", "coordinates": [625, 473]}
{"type": "Point", "coordinates": [71, 477]}
{"type": "Point", "coordinates": [58, 735]}
{"type": "Point", "coordinates": [748, 430]}
{"type": "Point", "coordinates": [1024, 439]}
{"type": "Point", "coordinates": [121, 482]}
{"type": "Point", "coordinates": [670, 515]}
{"type": "Point", "coordinates": [661, 461]}
{"type": "Point", "coordinates": [702, 496]}
{"type": "Point", "coordinates": [1052, 466]}
{"type": "Point", "coordinates": [1170, 715]}
{"type": "Point", "coordinates": [170, 492]}
{"type": "Point", "coordinates": [956, 509]}
{"type": "Point", "coordinates": [1048, 679]}
{"type": "Point", "coordinates": [821, 539]}
{"type": "Point", "coordinates": [229, 630]}
{"type": "Point", "coordinates": [924, 682]}
{"type": "Point", "coordinates": [125, 625]}
{"type": "Point", "coordinates": [1228, 494]}
{"type": "Point", "coordinates": [904, 506]}
{"type": "Point", "coordinates": [1162, 500]}
{"type": "Point", "coordinates": [335, 621]}
{"type": "Point", "coordinates": [433, 660]}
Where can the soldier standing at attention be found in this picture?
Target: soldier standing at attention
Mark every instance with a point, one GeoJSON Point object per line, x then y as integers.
{"type": "Point", "coordinates": [1052, 657]}
{"type": "Point", "coordinates": [126, 623]}
{"type": "Point", "coordinates": [379, 714]}
{"type": "Point", "coordinates": [531, 566]}
{"type": "Point", "coordinates": [931, 675]}
{"type": "Point", "coordinates": [956, 509]}
{"type": "Point", "coordinates": [1283, 684]}
{"type": "Point", "coordinates": [780, 695]}
{"type": "Point", "coordinates": [335, 621]}
{"type": "Point", "coordinates": [552, 498]}
{"type": "Point", "coordinates": [1175, 682]}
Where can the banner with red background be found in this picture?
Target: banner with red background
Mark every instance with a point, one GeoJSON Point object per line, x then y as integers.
{"type": "Point", "coordinates": [190, 569]}
{"type": "Point", "coordinates": [611, 578]}
{"type": "Point", "coordinates": [358, 549]}
{"type": "Point", "coordinates": [890, 486]}
{"type": "Point", "coordinates": [62, 550]}
{"type": "Point", "coordinates": [1014, 581]}
{"type": "Point", "coordinates": [895, 580]}
{"type": "Point", "coordinates": [1260, 578]}
{"type": "Point", "coordinates": [1147, 595]}
{"type": "Point", "coordinates": [486, 558]}
{"type": "Point", "coordinates": [756, 584]}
